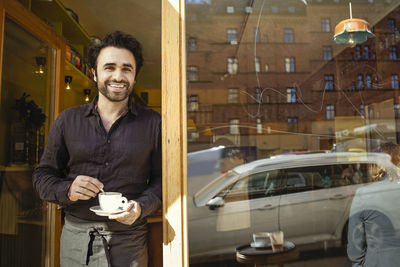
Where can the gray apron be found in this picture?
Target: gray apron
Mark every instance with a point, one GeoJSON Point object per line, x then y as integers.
{"type": "Point", "coordinates": [103, 244]}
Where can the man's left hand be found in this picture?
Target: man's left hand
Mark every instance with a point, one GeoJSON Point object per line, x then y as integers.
{"type": "Point", "coordinates": [129, 216]}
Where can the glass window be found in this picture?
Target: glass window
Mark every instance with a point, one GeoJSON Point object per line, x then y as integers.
{"type": "Point", "coordinates": [292, 125]}
{"type": "Point", "coordinates": [393, 53]}
{"type": "Point", "coordinates": [233, 95]}
{"type": "Point", "coordinates": [327, 52]}
{"type": "Point", "coordinates": [360, 81]}
{"type": "Point", "coordinates": [325, 25]}
{"type": "Point", "coordinates": [230, 9]}
{"type": "Point", "coordinates": [28, 82]}
{"type": "Point", "coordinates": [329, 82]}
{"type": "Point", "coordinates": [232, 65]}
{"type": "Point", "coordinates": [290, 64]}
{"type": "Point", "coordinates": [193, 104]}
{"type": "Point", "coordinates": [391, 25]}
{"type": "Point", "coordinates": [234, 126]}
{"type": "Point", "coordinates": [288, 36]}
{"type": "Point", "coordinates": [330, 112]}
{"type": "Point", "coordinates": [192, 44]}
{"type": "Point", "coordinates": [291, 95]}
{"type": "Point", "coordinates": [257, 64]}
{"type": "Point", "coordinates": [257, 35]}
{"type": "Point", "coordinates": [231, 36]}
{"type": "Point", "coordinates": [395, 81]}
{"type": "Point", "coordinates": [327, 108]}
{"type": "Point", "coordinates": [192, 73]}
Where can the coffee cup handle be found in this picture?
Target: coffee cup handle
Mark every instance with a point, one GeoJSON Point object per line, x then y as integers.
{"type": "Point", "coordinates": [124, 203]}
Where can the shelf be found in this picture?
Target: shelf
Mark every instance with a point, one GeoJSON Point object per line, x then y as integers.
{"type": "Point", "coordinates": [79, 79]}
{"type": "Point", "coordinates": [63, 23]}
{"type": "Point", "coordinates": [17, 168]}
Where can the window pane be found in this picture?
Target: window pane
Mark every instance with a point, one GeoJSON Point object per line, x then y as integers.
{"type": "Point", "coordinates": [289, 126]}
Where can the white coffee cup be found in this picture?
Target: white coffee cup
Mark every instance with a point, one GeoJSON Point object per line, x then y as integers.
{"type": "Point", "coordinates": [112, 201]}
{"type": "Point", "coordinates": [261, 239]}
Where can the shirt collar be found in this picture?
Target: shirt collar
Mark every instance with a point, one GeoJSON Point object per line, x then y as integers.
{"type": "Point", "coordinates": [91, 107]}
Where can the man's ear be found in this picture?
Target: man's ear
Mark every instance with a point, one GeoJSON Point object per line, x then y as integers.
{"type": "Point", "coordinates": [94, 74]}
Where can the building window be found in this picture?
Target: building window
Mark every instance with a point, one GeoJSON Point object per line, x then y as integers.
{"type": "Point", "coordinates": [290, 64]}
{"type": "Point", "coordinates": [232, 65]}
{"type": "Point", "coordinates": [193, 104]}
{"type": "Point", "coordinates": [368, 81]}
{"type": "Point", "coordinates": [256, 35]}
{"type": "Point", "coordinates": [327, 53]}
{"type": "Point", "coordinates": [391, 23]}
{"type": "Point", "coordinates": [248, 9]}
{"type": "Point", "coordinates": [259, 126]}
{"type": "Point", "coordinates": [234, 126]}
{"type": "Point", "coordinates": [258, 95]}
{"type": "Point", "coordinates": [192, 73]}
{"type": "Point", "coordinates": [360, 81]}
{"type": "Point", "coordinates": [329, 84]}
{"type": "Point", "coordinates": [192, 44]}
{"type": "Point", "coordinates": [395, 81]}
{"type": "Point", "coordinates": [274, 9]}
{"type": "Point", "coordinates": [396, 108]}
{"type": "Point", "coordinates": [266, 67]}
{"type": "Point", "coordinates": [325, 25]}
{"type": "Point", "coordinates": [358, 52]}
{"type": "Point", "coordinates": [288, 36]}
{"type": "Point", "coordinates": [291, 96]}
{"type": "Point", "coordinates": [393, 53]}
{"type": "Point", "coordinates": [233, 95]}
{"type": "Point", "coordinates": [291, 9]}
{"type": "Point", "coordinates": [231, 36]}
{"type": "Point", "coordinates": [230, 9]}
{"type": "Point", "coordinates": [362, 110]}
{"type": "Point", "coordinates": [366, 52]}
{"type": "Point", "coordinates": [330, 112]}
{"type": "Point", "coordinates": [292, 125]}
{"type": "Point", "coordinates": [265, 38]}
{"type": "Point", "coordinates": [257, 64]}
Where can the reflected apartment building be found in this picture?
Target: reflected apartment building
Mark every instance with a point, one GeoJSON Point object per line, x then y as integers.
{"type": "Point", "coordinates": [269, 74]}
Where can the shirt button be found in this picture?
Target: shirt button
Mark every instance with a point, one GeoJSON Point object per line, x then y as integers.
{"type": "Point", "coordinates": [106, 163]}
{"type": "Point", "coordinates": [108, 141]}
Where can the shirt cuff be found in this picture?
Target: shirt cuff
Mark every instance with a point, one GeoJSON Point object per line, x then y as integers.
{"type": "Point", "coordinates": [62, 193]}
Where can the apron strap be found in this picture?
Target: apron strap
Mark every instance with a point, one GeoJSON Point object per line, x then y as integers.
{"type": "Point", "coordinates": [93, 232]}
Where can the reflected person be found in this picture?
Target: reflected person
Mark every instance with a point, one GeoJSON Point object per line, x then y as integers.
{"type": "Point", "coordinates": [111, 143]}
{"type": "Point", "coordinates": [374, 223]}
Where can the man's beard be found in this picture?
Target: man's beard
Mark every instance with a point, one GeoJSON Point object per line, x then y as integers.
{"type": "Point", "coordinates": [115, 97]}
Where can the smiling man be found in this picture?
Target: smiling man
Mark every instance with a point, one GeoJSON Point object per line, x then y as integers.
{"type": "Point", "coordinates": [110, 144]}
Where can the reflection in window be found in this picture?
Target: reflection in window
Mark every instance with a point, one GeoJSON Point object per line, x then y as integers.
{"type": "Point", "coordinates": [325, 25]}
{"type": "Point", "coordinates": [330, 112]}
{"type": "Point", "coordinates": [288, 36]}
{"type": "Point", "coordinates": [233, 95]}
{"type": "Point", "coordinates": [291, 9]}
{"type": "Point", "coordinates": [393, 53]}
{"type": "Point", "coordinates": [259, 126]}
{"type": "Point", "coordinates": [230, 9]}
{"type": "Point", "coordinates": [368, 81]}
{"type": "Point", "coordinates": [257, 64]}
{"type": "Point", "coordinates": [360, 81]}
{"type": "Point", "coordinates": [292, 125]}
{"type": "Point", "coordinates": [257, 35]}
{"type": "Point", "coordinates": [258, 95]}
{"type": "Point", "coordinates": [366, 52]}
{"type": "Point", "coordinates": [274, 9]}
{"type": "Point", "coordinates": [248, 9]}
{"type": "Point", "coordinates": [192, 73]}
{"type": "Point", "coordinates": [395, 81]}
{"type": "Point", "coordinates": [327, 53]}
{"type": "Point", "coordinates": [290, 64]}
{"type": "Point", "coordinates": [358, 52]}
{"type": "Point", "coordinates": [232, 65]}
{"type": "Point", "coordinates": [265, 38]}
{"type": "Point", "coordinates": [192, 44]}
{"type": "Point", "coordinates": [234, 126]}
{"type": "Point", "coordinates": [329, 84]}
{"type": "Point", "coordinates": [396, 108]}
{"type": "Point", "coordinates": [193, 103]}
{"type": "Point", "coordinates": [266, 67]}
{"type": "Point", "coordinates": [291, 95]}
{"type": "Point", "coordinates": [231, 36]}
{"type": "Point", "coordinates": [391, 25]}
{"type": "Point", "coordinates": [362, 110]}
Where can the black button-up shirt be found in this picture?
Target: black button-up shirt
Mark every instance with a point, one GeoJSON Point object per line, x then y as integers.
{"type": "Point", "coordinates": [127, 159]}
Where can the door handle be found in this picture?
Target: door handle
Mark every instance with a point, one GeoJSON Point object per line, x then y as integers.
{"type": "Point", "coordinates": [338, 196]}
{"type": "Point", "coordinates": [267, 207]}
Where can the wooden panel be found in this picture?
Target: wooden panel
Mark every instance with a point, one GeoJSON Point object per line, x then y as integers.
{"type": "Point", "coordinates": [174, 134]}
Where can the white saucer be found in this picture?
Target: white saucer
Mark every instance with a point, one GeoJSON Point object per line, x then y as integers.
{"type": "Point", "coordinates": [100, 212]}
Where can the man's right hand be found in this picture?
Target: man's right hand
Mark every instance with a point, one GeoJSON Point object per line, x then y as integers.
{"type": "Point", "coordinates": [84, 188]}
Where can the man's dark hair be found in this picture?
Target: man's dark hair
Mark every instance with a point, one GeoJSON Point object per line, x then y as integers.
{"type": "Point", "coordinates": [120, 40]}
